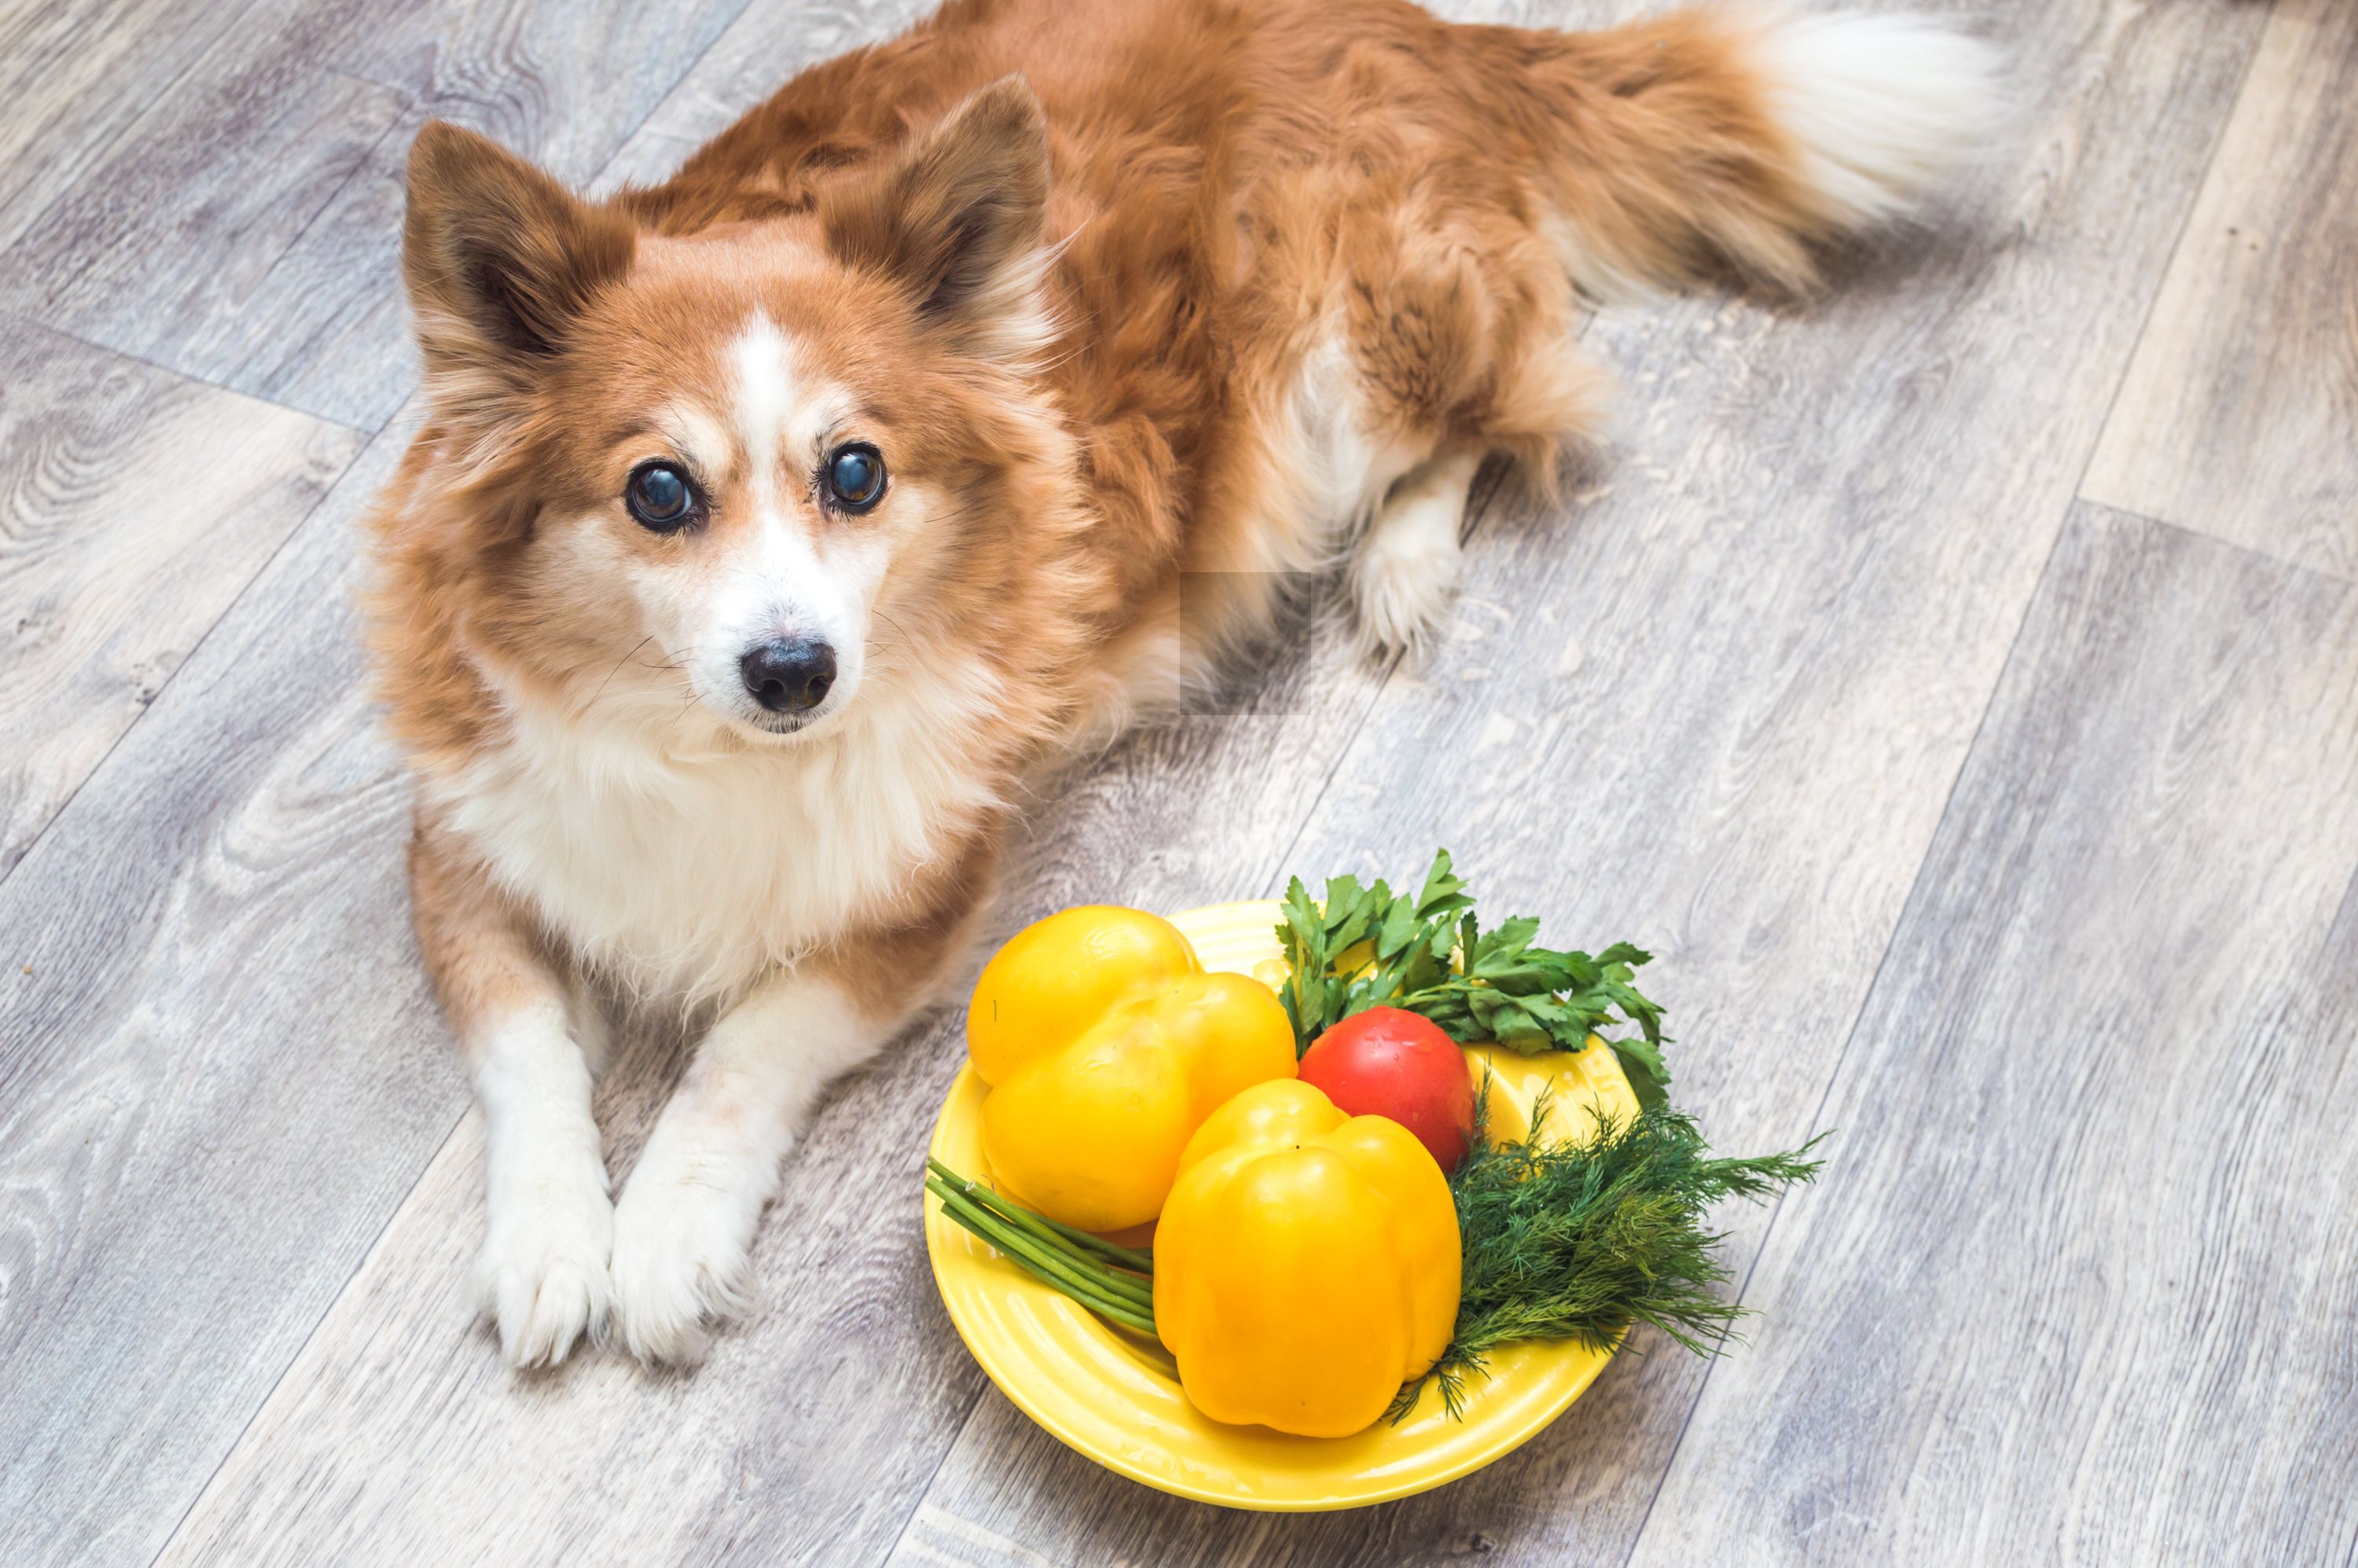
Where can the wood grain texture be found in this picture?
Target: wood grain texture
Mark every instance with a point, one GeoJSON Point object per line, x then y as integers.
{"type": "Point", "coordinates": [1719, 710]}
{"type": "Point", "coordinates": [246, 228]}
{"type": "Point", "coordinates": [2240, 414]}
{"type": "Point", "coordinates": [764, 46]}
{"type": "Point", "coordinates": [220, 1071]}
{"type": "Point", "coordinates": [134, 506]}
{"type": "Point", "coordinates": [2082, 1285]}
{"type": "Point", "coordinates": [74, 74]}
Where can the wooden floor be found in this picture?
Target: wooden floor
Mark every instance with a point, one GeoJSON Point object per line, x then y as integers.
{"type": "Point", "coordinates": [1955, 684]}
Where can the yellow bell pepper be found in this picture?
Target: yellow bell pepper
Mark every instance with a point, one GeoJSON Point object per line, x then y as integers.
{"type": "Point", "coordinates": [1106, 1046]}
{"type": "Point", "coordinates": [1307, 1263]}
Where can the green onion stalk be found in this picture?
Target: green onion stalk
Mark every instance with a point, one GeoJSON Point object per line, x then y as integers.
{"type": "Point", "coordinates": [1115, 1283]}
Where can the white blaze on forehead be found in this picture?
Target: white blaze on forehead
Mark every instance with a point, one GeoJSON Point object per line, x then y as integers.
{"type": "Point", "coordinates": [784, 414]}
{"type": "Point", "coordinates": [765, 400]}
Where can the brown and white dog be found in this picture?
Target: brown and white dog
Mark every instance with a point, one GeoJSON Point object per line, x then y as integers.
{"type": "Point", "coordinates": [773, 530]}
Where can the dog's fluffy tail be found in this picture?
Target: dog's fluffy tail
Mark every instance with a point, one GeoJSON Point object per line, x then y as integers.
{"type": "Point", "coordinates": [1744, 137]}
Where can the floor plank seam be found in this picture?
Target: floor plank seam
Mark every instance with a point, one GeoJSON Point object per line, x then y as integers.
{"type": "Point", "coordinates": [669, 92]}
{"type": "Point", "coordinates": [1270, 886]}
{"type": "Point", "coordinates": [179, 373]}
{"type": "Point", "coordinates": [360, 165]}
{"type": "Point", "coordinates": [229, 1451]}
{"type": "Point", "coordinates": [909, 1520]}
{"type": "Point", "coordinates": [1833, 1077]}
{"type": "Point", "coordinates": [2169, 261]}
{"type": "Point", "coordinates": [1474, 524]}
{"type": "Point", "coordinates": [2343, 909]}
{"type": "Point", "coordinates": [414, 100]}
{"type": "Point", "coordinates": [1858, 1016]}
{"type": "Point", "coordinates": [410, 101]}
{"type": "Point", "coordinates": [2250, 552]}
{"type": "Point", "coordinates": [261, 570]}
{"type": "Point", "coordinates": [427, 101]}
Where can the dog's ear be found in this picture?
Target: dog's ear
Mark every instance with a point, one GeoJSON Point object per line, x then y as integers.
{"type": "Point", "coordinates": [956, 219]}
{"type": "Point", "coordinates": [500, 259]}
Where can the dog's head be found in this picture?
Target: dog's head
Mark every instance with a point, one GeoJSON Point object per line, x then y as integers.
{"type": "Point", "coordinates": [732, 472]}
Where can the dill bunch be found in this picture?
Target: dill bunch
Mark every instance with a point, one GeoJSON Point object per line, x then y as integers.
{"type": "Point", "coordinates": [1579, 1241]}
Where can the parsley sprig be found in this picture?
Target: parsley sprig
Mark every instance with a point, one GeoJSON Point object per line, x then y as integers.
{"type": "Point", "coordinates": [1429, 954]}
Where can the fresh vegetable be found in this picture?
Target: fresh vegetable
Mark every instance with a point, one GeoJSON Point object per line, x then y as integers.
{"type": "Point", "coordinates": [1059, 975]}
{"type": "Point", "coordinates": [1306, 1264]}
{"type": "Point", "coordinates": [1557, 1240]}
{"type": "Point", "coordinates": [1295, 1267]}
{"type": "Point", "coordinates": [1390, 1062]}
{"type": "Point", "coordinates": [1106, 1046]}
{"type": "Point", "coordinates": [1566, 1241]}
{"type": "Point", "coordinates": [1109, 1281]}
{"type": "Point", "coordinates": [1367, 946]}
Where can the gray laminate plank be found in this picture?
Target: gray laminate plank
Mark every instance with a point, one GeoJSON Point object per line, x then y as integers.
{"type": "Point", "coordinates": [171, 247]}
{"type": "Point", "coordinates": [2082, 1285]}
{"type": "Point", "coordinates": [74, 73]}
{"type": "Point", "coordinates": [1719, 707]}
{"type": "Point", "coordinates": [2240, 414]}
{"type": "Point", "coordinates": [220, 1074]}
{"type": "Point", "coordinates": [135, 504]}
{"type": "Point", "coordinates": [246, 228]}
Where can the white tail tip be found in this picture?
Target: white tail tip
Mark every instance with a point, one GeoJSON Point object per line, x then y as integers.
{"type": "Point", "coordinates": [1885, 107]}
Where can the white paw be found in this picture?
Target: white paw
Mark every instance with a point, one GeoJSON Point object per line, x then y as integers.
{"type": "Point", "coordinates": [1402, 582]}
{"type": "Point", "coordinates": [543, 1275]}
{"type": "Point", "coordinates": [680, 1266]}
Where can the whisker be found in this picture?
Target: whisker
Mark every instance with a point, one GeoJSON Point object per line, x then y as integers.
{"type": "Point", "coordinates": [618, 666]}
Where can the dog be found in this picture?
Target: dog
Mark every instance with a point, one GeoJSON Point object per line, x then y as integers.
{"type": "Point", "coordinates": [773, 532]}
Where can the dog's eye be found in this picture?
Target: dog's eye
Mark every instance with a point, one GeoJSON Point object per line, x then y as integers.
{"type": "Point", "coordinates": [661, 496]}
{"type": "Point", "coordinates": [854, 477]}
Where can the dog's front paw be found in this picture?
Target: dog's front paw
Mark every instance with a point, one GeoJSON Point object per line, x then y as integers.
{"type": "Point", "coordinates": [543, 1273]}
{"type": "Point", "coordinates": [680, 1267]}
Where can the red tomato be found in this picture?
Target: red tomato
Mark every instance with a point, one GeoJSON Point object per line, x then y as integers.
{"type": "Point", "coordinates": [1390, 1063]}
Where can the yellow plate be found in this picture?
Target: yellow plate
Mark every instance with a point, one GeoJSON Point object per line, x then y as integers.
{"type": "Point", "coordinates": [1114, 1396]}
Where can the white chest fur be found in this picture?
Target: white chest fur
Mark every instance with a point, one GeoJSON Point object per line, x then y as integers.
{"type": "Point", "coordinates": [688, 869]}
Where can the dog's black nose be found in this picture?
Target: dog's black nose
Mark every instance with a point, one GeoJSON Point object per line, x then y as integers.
{"type": "Point", "coordinates": [789, 676]}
